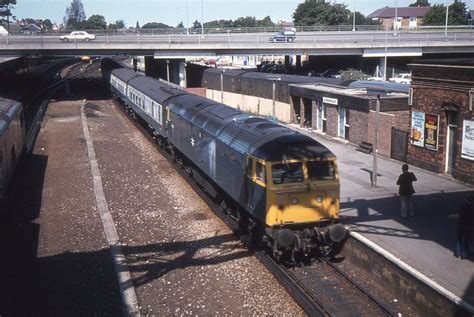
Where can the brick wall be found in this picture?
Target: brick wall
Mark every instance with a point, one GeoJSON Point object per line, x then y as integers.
{"type": "Point", "coordinates": [358, 126]}
{"type": "Point", "coordinates": [433, 88]}
{"type": "Point", "coordinates": [386, 122]}
{"type": "Point", "coordinates": [332, 120]}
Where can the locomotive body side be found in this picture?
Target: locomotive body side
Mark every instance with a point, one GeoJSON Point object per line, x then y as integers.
{"type": "Point", "coordinates": [12, 138]}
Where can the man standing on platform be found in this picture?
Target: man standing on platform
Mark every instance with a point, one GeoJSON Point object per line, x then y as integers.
{"type": "Point", "coordinates": [406, 191]}
{"type": "Point", "coordinates": [465, 227]}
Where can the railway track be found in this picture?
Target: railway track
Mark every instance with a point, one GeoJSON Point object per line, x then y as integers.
{"type": "Point", "coordinates": [321, 289]}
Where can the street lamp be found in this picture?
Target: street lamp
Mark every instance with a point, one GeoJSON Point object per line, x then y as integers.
{"type": "Point", "coordinates": [187, 17]}
{"type": "Point", "coordinates": [202, 19]}
{"type": "Point", "coordinates": [395, 21]}
{"type": "Point", "coordinates": [446, 24]}
{"type": "Point", "coordinates": [354, 18]}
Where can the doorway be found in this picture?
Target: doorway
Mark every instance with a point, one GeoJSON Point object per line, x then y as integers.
{"type": "Point", "coordinates": [450, 141]}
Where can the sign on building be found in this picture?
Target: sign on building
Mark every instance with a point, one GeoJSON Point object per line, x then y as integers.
{"type": "Point", "coordinates": [417, 136]}
{"type": "Point", "coordinates": [467, 149]}
{"type": "Point", "coordinates": [431, 131]}
{"type": "Point", "coordinates": [424, 130]}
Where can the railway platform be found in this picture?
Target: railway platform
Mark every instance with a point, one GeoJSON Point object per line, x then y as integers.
{"type": "Point", "coordinates": [426, 241]}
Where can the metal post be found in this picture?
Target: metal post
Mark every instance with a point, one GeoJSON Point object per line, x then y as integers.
{"type": "Point", "coordinates": [395, 21]}
{"type": "Point", "coordinates": [375, 150]}
{"type": "Point", "coordinates": [222, 86]}
{"type": "Point", "coordinates": [168, 70]}
{"type": "Point", "coordinates": [385, 58]}
{"type": "Point", "coordinates": [354, 18]}
{"type": "Point", "coordinates": [187, 16]}
{"type": "Point", "coordinates": [446, 24]}
{"type": "Point", "coordinates": [274, 94]}
{"type": "Point", "coordinates": [202, 19]}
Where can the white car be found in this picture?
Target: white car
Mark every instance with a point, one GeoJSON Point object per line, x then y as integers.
{"type": "Point", "coordinates": [403, 78]}
{"type": "Point", "coordinates": [78, 36]}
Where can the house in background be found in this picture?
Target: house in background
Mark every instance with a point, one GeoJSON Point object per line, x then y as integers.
{"type": "Point", "coordinates": [31, 29]}
{"type": "Point", "coordinates": [407, 17]}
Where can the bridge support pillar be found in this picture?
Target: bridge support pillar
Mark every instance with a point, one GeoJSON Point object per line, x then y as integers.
{"type": "Point", "coordinates": [172, 70]}
{"type": "Point", "coordinates": [298, 61]}
{"type": "Point", "coordinates": [182, 73]}
{"type": "Point", "coordinates": [382, 67]}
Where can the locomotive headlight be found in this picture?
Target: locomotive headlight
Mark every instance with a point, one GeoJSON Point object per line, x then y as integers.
{"type": "Point", "coordinates": [295, 201]}
{"type": "Point", "coordinates": [319, 199]}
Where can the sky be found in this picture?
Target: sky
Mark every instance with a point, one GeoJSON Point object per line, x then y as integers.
{"type": "Point", "coordinates": [187, 11]}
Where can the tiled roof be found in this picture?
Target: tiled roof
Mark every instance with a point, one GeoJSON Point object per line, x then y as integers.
{"type": "Point", "coordinates": [389, 12]}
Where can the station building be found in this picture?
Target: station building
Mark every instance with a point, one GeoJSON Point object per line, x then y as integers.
{"type": "Point", "coordinates": [350, 114]}
{"type": "Point", "coordinates": [442, 117]}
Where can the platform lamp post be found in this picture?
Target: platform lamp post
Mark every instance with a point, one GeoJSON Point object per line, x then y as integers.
{"type": "Point", "coordinates": [376, 136]}
{"type": "Point", "coordinates": [167, 70]}
{"type": "Point", "coordinates": [354, 18]}
{"type": "Point", "coordinates": [222, 85]}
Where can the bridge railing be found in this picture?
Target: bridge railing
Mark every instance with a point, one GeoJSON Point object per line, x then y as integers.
{"type": "Point", "coordinates": [425, 36]}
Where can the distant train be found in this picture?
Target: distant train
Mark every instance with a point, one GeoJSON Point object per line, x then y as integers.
{"type": "Point", "coordinates": [252, 83]}
{"type": "Point", "coordinates": [279, 185]}
{"type": "Point", "coordinates": [12, 138]}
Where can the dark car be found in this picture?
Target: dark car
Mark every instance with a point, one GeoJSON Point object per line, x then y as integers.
{"type": "Point", "coordinates": [284, 36]}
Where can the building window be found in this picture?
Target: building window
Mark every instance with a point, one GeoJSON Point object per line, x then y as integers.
{"type": "Point", "coordinates": [346, 125]}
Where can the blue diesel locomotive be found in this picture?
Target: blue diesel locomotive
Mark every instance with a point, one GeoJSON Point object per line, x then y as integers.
{"type": "Point", "coordinates": [280, 185]}
{"type": "Point", "coordinates": [12, 138]}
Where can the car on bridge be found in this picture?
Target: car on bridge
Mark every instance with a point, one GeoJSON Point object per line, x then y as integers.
{"type": "Point", "coordinates": [78, 36]}
{"type": "Point", "coordinates": [284, 36]}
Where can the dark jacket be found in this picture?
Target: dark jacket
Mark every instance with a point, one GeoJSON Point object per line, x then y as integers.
{"type": "Point", "coordinates": [405, 180]}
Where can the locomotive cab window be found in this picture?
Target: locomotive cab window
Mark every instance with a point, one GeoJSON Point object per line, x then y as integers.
{"type": "Point", "coordinates": [248, 170]}
{"type": "Point", "coordinates": [321, 170]}
{"type": "Point", "coordinates": [260, 172]}
{"type": "Point", "coordinates": [287, 173]}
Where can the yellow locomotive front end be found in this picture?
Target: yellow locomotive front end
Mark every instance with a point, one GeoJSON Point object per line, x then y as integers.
{"type": "Point", "coordinates": [302, 192]}
{"type": "Point", "coordinates": [302, 207]}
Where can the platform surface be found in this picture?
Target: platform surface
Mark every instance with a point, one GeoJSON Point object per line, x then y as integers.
{"type": "Point", "coordinates": [426, 241]}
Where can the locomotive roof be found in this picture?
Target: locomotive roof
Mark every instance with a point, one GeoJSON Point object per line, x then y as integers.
{"type": "Point", "coordinates": [246, 134]}
{"type": "Point", "coordinates": [8, 111]}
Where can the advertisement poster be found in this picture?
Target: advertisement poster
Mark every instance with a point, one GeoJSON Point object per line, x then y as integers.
{"type": "Point", "coordinates": [417, 128]}
{"type": "Point", "coordinates": [467, 150]}
{"type": "Point", "coordinates": [431, 131]}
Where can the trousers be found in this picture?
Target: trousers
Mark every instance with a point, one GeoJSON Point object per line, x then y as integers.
{"type": "Point", "coordinates": [406, 206]}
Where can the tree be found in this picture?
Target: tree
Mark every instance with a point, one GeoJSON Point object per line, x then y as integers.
{"type": "Point", "coordinates": [314, 12]}
{"type": "Point", "coordinates": [47, 25]}
{"type": "Point", "coordinates": [180, 25]}
{"type": "Point", "coordinates": [119, 24]}
{"type": "Point", "coordinates": [457, 14]}
{"type": "Point", "coordinates": [265, 22]}
{"type": "Point", "coordinates": [137, 26]}
{"type": "Point", "coordinates": [353, 74]}
{"type": "Point", "coordinates": [6, 7]}
{"type": "Point", "coordinates": [196, 24]}
{"type": "Point", "coordinates": [75, 14]}
{"type": "Point", "coordinates": [420, 3]}
{"type": "Point", "coordinates": [96, 22]}
{"type": "Point", "coordinates": [155, 25]}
